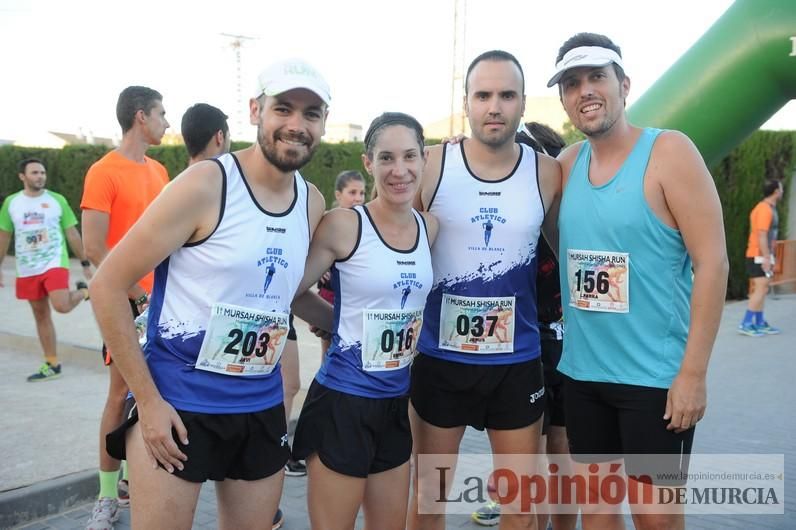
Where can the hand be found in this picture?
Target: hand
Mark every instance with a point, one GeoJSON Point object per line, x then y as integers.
{"type": "Point", "coordinates": [326, 277]}
{"type": "Point", "coordinates": [685, 402]}
{"type": "Point", "coordinates": [454, 139]}
{"type": "Point", "coordinates": [766, 265]}
{"type": "Point", "coordinates": [318, 332]}
{"type": "Point", "coordinates": [157, 421]}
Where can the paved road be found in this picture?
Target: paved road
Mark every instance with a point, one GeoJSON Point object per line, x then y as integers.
{"type": "Point", "coordinates": [49, 429]}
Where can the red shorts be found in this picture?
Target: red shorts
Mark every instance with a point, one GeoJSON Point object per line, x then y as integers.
{"type": "Point", "coordinates": [326, 294]}
{"type": "Point", "coordinates": [38, 286]}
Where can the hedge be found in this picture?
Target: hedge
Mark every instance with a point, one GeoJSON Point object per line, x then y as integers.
{"type": "Point", "coordinates": [739, 179]}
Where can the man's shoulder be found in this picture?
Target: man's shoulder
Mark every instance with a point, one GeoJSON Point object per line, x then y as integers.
{"type": "Point", "coordinates": [11, 197]}
{"type": "Point", "coordinates": [155, 165]}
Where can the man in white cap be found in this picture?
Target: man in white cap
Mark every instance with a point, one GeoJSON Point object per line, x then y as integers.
{"type": "Point", "coordinates": [639, 212]}
{"type": "Point", "coordinates": [208, 385]}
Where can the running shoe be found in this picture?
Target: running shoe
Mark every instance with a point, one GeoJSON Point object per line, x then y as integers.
{"type": "Point", "coordinates": [46, 372]}
{"type": "Point", "coordinates": [123, 487]}
{"type": "Point", "coordinates": [750, 330]}
{"type": "Point", "coordinates": [767, 329]}
{"type": "Point", "coordinates": [83, 287]}
{"type": "Point", "coordinates": [279, 519]}
{"type": "Point", "coordinates": [294, 468]}
{"type": "Point", "coordinates": [105, 513]}
{"type": "Point", "coordinates": [487, 515]}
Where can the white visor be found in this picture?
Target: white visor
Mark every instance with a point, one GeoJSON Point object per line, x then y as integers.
{"type": "Point", "coordinates": [594, 56]}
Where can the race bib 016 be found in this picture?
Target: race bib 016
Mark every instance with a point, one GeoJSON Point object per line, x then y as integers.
{"type": "Point", "coordinates": [242, 341]}
{"type": "Point", "coordinates": [598, 280]}
{"type": "Point", "coordinates": [477, 325]}
{"type": "Point", "coordinates": [389, 338]}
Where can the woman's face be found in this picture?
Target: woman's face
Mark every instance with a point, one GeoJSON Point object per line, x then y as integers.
{"type": "Point", "coordinates": [353, 193]}
{"type": "Point", "coordinates": [397, 164]}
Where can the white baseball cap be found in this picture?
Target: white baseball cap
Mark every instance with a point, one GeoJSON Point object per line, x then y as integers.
{"type": "Point", "coordinates": [595, 56]}
{"type": "Point", "coordinates": [290, 74]}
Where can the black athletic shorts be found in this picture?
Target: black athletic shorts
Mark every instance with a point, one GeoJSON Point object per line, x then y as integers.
{"type": "Point", "coordinates": [754, 270]}
{"type": "Point", "coordinates": [248, 446]}
{"type": "Point", "coordinates": [450, 394]}
{"type": "Point", "coordinates": [353, 435]}
{"type": "Point", "coordinates": [553, 384]}
{"type": "Point", "coordinates": [291, 333]}
{"type": "Point", "coordinates": [106, 355]}
{"type": "Point", "coordinates": [625, 421]}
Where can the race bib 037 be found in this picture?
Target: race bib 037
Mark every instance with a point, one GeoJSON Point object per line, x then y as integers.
{"type": "Point", "coordinates": [482, 325]}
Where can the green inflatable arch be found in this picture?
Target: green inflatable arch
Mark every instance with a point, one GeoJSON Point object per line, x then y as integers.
{"type": "Point", "coordinates": [741, 72]}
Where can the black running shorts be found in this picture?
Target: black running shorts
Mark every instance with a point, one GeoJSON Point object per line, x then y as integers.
{"type": "Point", "coordinates": [353, 435]}
{"type": "Point", "coordinates": [247, 446]}
{"type": "Point", "coordinates": [625, 421]}
{"type": "Point", "coordinates": [450, 394]}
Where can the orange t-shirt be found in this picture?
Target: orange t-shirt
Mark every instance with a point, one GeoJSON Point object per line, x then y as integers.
{"type": "Point", "coordinates": [123, 189]}
{"type": "Point", "coordinates": [759, 219]}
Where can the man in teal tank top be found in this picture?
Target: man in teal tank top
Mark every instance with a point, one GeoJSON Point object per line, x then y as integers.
{"type": "Point", "coordinates": [639, 212]}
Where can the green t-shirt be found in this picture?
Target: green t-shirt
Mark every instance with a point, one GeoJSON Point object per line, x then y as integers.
{"type": "Point", "coordinates": [38, 224]}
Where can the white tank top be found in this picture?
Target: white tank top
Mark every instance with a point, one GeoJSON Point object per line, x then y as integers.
{"type": "Point", "coordinates": [482, 306]}
{"type": "Point", "coordinates": [218, 319]}
{"type": "Point", "coordinates": [379, 297]}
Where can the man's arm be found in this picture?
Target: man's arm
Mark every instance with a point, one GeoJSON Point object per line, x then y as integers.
{"type": "Point", "coordinates": [5, 239]}
{"type": "Point", "coordinates": [188, 207]}
{"type": "Point", "coordinates": [76, 245]}
{"type": "Point", "coordinates": [95, 232]}
{"type": "Point", "coordinates": [550, 184]}
{"type": "Point", "coordinates": [761, 225]}
{"type": "Point", "coordinates": [430, 180]}
{"type": "Point", "coordinates": [691, 197]}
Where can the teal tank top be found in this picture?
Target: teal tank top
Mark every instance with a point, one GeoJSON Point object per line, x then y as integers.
{"type": "Point", "coordinates": [625, 278]}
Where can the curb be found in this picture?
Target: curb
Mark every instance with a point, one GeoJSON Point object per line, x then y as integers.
{"type": "Point", "coordinates": [83, 356]}
{"type": "Point", "coordinates": [48, 497]}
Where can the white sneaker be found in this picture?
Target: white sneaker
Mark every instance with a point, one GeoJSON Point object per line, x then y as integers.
{"type": "Point", "coordinates": [105, 513]}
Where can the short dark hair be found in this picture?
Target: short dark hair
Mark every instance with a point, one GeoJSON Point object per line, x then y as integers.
{"type": "Point", "coordinates": [591, 39]}
{"type": "Point", "coordinates": [389, 119]}
{"type": "Point", "coordinates": [199, 123]}
{"type": "Point", "coordinates": [493, 55]}
{"type": "Point", "coordinates": [542, 138]}
{"type": "Point", "coordinates": [22, 166]}
{"type": "Point", "coordinates": [770, 186]}
{"type": "Point", "coordinates": [344, 177]}
{"type": "Point", "coordinates": [131, 100]}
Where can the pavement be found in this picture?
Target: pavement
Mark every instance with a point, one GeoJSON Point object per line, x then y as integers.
{"type": "Point", "coordinates": [48, 449]}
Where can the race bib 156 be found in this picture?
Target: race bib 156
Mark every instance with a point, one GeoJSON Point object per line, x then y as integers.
{"type": "Point", "coordinates": [599, 280]}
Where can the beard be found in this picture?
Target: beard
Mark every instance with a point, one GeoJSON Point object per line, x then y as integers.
{"type": "Point", "coordinates": [497, 140]}
{"type": "Point", "coordinates": [287, 161]}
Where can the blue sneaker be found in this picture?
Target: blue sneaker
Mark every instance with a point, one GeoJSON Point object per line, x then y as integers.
{"type": "Point", "coordinates": [750, 331]}
{"type": "Point", "coordinates": [766, 329]}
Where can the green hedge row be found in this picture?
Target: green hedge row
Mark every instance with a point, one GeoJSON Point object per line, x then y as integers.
{"type": "Point", "coordinates": [739, 179]}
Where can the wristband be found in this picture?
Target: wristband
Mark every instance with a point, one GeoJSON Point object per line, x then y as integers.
{"type": "Point", "coordinates": [141, 300]}
{"type": "Point", "coordinates": [85, 263]}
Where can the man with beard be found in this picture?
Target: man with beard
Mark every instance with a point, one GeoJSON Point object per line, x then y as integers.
{"type": "Point", "coordinates": [209, 397]}
{"type": "Point", "coordinates": [641, 202]}
{"type": "Point", "coordinates": [471, 368]}
{"type": "Point", "coordinates": [42, 223]}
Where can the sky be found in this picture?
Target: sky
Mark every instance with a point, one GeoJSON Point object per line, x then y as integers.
{"type": "Point", "coordinates": [65, 62]}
